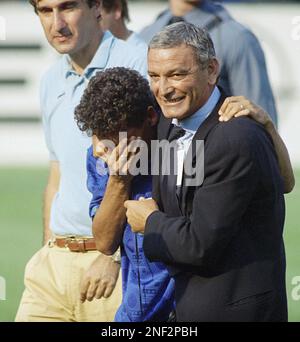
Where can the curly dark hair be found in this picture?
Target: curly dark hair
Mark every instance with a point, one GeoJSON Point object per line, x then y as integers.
{"type": "Point", "coordinates": [116, 99]}
{"type": "Point", "coordinates": [90, 3]}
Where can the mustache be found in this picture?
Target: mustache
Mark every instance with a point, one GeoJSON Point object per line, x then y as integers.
{"type": "Point", "coordinates": [64, 32]}
{"type": "Point", "coordinates": [172, 97]}
{"type": "Point", "coordinates": [169, 96]}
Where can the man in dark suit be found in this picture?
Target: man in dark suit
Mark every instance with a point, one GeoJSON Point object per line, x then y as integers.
{"type": "Point", "coordinates": [220, 234]}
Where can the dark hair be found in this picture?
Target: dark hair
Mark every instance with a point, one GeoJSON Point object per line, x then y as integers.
{"type": "Point", "coordinates": [115, 99]}
{"type": "Point", "coordinates": [90, 3]}
{"type": "Point", "coordinates": [109, 5]}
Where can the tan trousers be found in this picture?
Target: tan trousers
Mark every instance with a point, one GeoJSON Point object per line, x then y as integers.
{"type": "Point", "coordinates": [52, 289]}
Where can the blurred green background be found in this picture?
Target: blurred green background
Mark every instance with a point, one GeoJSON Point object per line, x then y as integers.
{"type": "Point", "coordinates": [21, 192]}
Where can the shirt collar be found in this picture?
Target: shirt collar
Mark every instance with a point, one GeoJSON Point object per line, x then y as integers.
{"type": "Point", "coordinates": [193, 122]}
{"type": "Point", "coordinates": [98, 62]}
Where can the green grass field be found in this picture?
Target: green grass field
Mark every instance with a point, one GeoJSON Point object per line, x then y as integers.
{"type": "Point", "coordinates": [21, 233]}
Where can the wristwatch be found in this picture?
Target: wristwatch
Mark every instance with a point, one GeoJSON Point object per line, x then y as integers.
{"type": "Point", "coordinates": [117, 256]}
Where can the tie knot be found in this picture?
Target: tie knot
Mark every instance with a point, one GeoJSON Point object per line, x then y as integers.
{"type": "Point", "coordinates": [176, 133]}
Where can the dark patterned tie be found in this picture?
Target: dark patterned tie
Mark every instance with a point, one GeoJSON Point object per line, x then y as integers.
{"type": "Point", "coordinates": [170, 180]}
{"type": "Point", "coordinates": [176, 133]}
{"type": "Point", "coordinates": [174, 20]}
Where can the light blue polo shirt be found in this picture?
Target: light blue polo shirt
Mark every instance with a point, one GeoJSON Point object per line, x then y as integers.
{"type": "Point", "coordinates": [61, 90]}
{"type": "Point", "coordinates": [136, 40]}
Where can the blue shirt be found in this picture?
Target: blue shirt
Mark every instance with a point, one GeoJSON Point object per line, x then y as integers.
{"type": "Point", "coordinates": [193, 122]}
{"type": "Point", "coordinates": [148, 290]}
{"type": "Point", "coordinates": [136, 40]}
{"type": "Point", "coordinates": [61, 91]}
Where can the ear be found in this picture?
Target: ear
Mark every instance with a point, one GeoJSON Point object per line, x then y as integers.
{"type": "Point", "coordinates": [98, 7]}
{"type": "Point", "coordinates": [152, 117]}
{"type": "Point", "coordinates": [118, 11]}
{"type": "Point", "coordinates": [213, 71]}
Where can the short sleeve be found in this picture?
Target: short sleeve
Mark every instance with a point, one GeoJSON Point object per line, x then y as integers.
{"type": "Point", "coordinates": [46, 120]}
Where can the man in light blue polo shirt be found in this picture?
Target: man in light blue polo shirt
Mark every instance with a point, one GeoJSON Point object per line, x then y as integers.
{"type": "Point", "coordinates": [70, 264]}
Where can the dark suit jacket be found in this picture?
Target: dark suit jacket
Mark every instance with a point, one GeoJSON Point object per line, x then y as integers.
{"type": "Point", "coordinates": [222, 240]}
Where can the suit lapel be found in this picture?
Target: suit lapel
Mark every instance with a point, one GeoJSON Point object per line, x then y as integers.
{"type": "Point", "coordinates": [209, 123]}
{"type": "Point", "coordinates": [163, 130]}
{"type": "Point", "coordinates": [166, 192]}
{"type": "Point", "coordinates": [202, 133]}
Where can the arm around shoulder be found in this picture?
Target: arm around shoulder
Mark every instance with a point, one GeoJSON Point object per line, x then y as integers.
{"type": "Point", "coordinates": [285, 166]}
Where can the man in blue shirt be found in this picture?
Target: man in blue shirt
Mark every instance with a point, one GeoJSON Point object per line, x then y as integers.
{"type": "Point", "coordinates": [56, 276]}
{"type": "Point", "coordinates": [243, 68]}
{"type": "Point", "coordinates": [118, 100]}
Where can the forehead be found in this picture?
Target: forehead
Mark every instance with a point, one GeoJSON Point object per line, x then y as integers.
{"type": "Point", "coordinates": [179, 55]}
{"type": "Point", "coordinates": [55, 3]}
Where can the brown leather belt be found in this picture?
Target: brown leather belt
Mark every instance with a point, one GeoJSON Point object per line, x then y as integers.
{"type": "Point", "coordinates": [76, 244]}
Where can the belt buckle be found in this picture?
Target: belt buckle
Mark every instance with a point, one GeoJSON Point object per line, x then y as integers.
{"type": "Point", "coordinates": [79, 241]}
{"type": "Point", "coordinates": [69, 239]}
